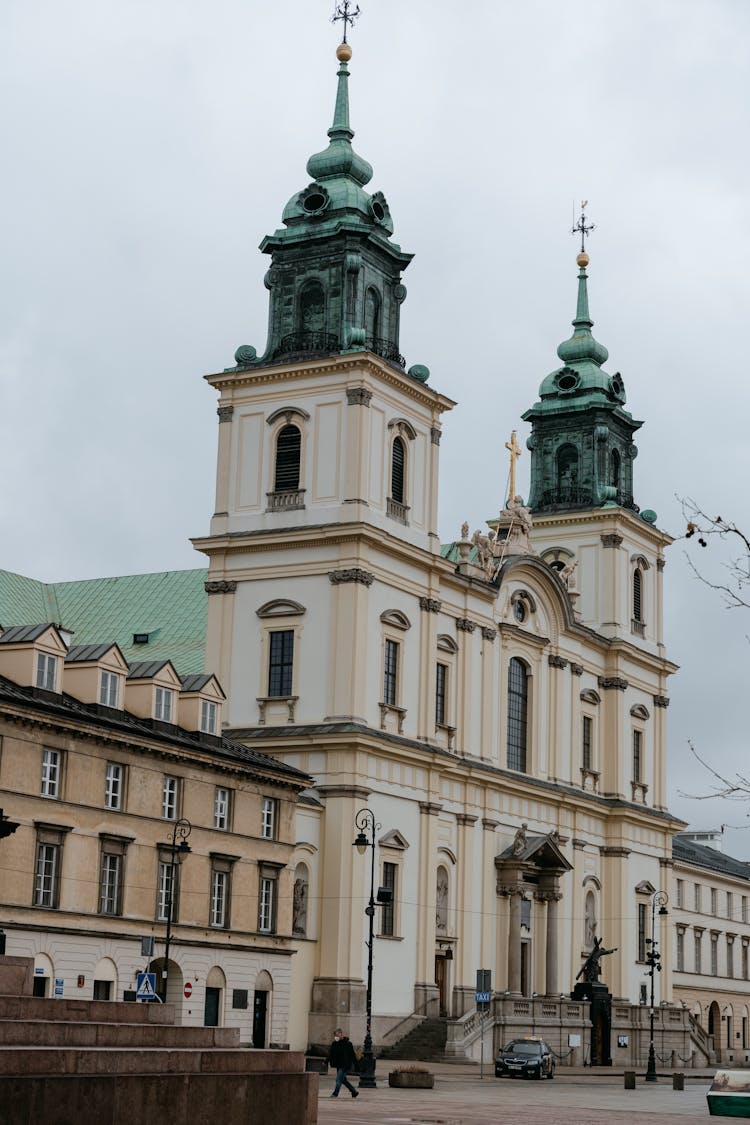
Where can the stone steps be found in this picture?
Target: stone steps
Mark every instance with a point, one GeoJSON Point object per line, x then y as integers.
{"type": "Point", "coordinates": [58, 1061]}
{"type": "Point", "coordinates": [84, 1011]}
{"type": "Point", "coordinates": [424, 1043]}
{"type": "Point", "coordinates": [53, 1033]}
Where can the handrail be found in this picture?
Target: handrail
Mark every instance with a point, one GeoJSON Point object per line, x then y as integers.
{"type": "Point", "coordinates": [421, 1011]}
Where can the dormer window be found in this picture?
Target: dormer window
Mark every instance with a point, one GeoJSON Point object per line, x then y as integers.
{"type": "Point", "coordinates": [208, 716]}
{"type": "Point", "coordinates": [109, 689]}
{"type": "Point", "coordinates": [163, 704]}
{"type": "Point", "coordinates": [46, 671]}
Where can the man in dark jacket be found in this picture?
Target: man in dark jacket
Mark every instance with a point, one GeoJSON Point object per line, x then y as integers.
{"type": "Point", "coordinates": [341, 1055]}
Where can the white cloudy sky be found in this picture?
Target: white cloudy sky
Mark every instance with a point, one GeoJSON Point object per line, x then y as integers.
{"type": "Point", "coordinates": [148, 146]}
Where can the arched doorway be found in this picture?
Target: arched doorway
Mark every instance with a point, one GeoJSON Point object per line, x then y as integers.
{"type": "Point", "coordinates": [174, 984]}
{"type": "Point", "coordinates": [105, 980]}
{"type": "Point", "coordinates": [213, 1009]}
{"type": "Point", "coordinates": [262, 997]}
{"type": "Point", "coordinates": [43, 975]}
{"type": "Point", "coordinates": [714, 1024]}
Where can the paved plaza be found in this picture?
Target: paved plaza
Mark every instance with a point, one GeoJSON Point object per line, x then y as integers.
{"type": "Point", "coordinates": [460, 1098]}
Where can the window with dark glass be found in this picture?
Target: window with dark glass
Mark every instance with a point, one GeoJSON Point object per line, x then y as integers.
{"type": "Point", "coordinates": [288, 451]}
{"type": "Point", "coordinates": [390, 673]}
{"type": "Point", "coordinates": [637, 761]}
{"type": "Point", "coordinates": [680, 951]}
{"type": "Point", "coordinates": [614, 465]}
{"type": "Point", "coordinates": [586, 742]}
{"type": "Point", "coordinates": [47, 874]}
{"type": "Point", "coordinates": [637, 595]}
{"type": "Point", "coordinates": [398, 463]}
{"type": "Point", "coordinates": [111, 876]}
{"type": "Point", "coordinates": [641, 931]}
{"type": "Point", "coordinates": [518, 699]}
{"type": "Point", "coordinates": [388, 909]}
{"type": "Point", "coordinates": [280, 663]}
{"type": "Point", "coordinates": [441, 680]}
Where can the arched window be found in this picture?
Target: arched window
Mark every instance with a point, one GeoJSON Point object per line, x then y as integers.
{"type": "Point", "coordinates": [288, 448]}
{"type": "Point", "coordinates": [518, 702]}
{"type": "Point", "coordinates": [441, 901]}
{"type": "Point", "coordinates": [637, 594]}
{"type": "Point", "coordinates": [312, 310]}
{"type": "Point", "coordinates": [299, 901]}
{"type": "Point", "coordinates": [567, 473]}
{"type": "Point", "coordinates": [614, 469]}
{"type": "Point", "coordinates": [398, 470]}
{"type": "Point", "coordinates": [372, 314]}
{"type": "Point", "coordinates": [590, 921]}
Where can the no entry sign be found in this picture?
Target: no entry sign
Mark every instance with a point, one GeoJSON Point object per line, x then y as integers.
{"type": "Point", "coordinates": [188, 990]}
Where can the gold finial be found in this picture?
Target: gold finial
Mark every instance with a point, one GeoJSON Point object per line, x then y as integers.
{"type": "Point", "coordinates": [582, 260]}
{"type": "Point", "coordinates": [343, 52]}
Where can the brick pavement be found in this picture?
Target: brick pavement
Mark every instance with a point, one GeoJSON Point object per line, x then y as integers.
{"type": "Point", "coordinates": [460, 1098]}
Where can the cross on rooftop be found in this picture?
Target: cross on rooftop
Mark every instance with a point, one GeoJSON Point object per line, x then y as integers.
{"type": "Point", "coordinates": [344, 11]}
{"type": "Point", "coordinates": [582, 227]}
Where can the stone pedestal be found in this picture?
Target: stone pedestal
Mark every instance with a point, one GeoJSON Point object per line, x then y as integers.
{"type": "Point", "coordinates": [600, 999]}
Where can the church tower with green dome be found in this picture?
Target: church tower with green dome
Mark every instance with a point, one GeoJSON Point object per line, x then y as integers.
{"type": "Point", "coordinates": [581, 440]}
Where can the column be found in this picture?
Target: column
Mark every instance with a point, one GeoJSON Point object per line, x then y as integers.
{"type": "Point", "coordinates": [357, 451]}
{"type": "Point", "coordinates": [223, 467]}
{"type": "Point", "coordinates": [428, 622]}
{"type": "Point", "coordinates": [552, 898]}
{"type": "Point", "coordinates": [425, 988]}
{"type": "Point", "coordinates": [514, 941]}
{"type": "Point", "coordinates": [464, 982]}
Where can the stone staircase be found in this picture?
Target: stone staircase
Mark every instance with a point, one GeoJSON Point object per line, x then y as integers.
{"type": "Point", "coordinates": [423, 1043]}
{"type": "Point", "coordinates": [79, 1062]}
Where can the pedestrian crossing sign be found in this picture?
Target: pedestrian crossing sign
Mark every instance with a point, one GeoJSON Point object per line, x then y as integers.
{"type": "Point", "coordinates": [146, 987]}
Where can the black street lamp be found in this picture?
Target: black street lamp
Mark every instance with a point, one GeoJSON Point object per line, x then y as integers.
{"type": "Point", "coordinates": [365, 822]}
{"type": "Point", "coordinates": [182, 829]}
{"type": "Point", "coordinates": [660, 899]}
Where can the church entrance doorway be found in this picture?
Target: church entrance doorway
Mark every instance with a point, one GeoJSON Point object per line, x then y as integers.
{"type": "Point", "coordinates": [526, 968]}
{"type": "Point", "coordinates": [260, 1016]}
{"type": "Point", "coordinates": [441, 980]}
{"type": "Point", "coordinates": [714, 1024]}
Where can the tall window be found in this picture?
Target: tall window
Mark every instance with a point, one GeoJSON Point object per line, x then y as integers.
{"type": "Point", "coordinates": [586, 742]}
{"type": "Point", "coordinates": [280, 663]}
{"type": "Point", "coordinates": [163, 704]}
{"type": "Point", "coordinates": [221, 809]}
{"type": "Point", "coordinates": [730, 904]}
{"type": "Point", "coordinates": [698, 940]}
{"type": "Point", "coordinates": [714, 955]}
{"type": "Point", "coordinates": [518, 699]}
{"type": "Point", "coordinates": [614, 469]}
{"type": "Point", "coordinates": [398, 465]}
{"type": "Point", "coordinates": [208, 716]}
{"type": "Point", "coordinates": [51, 773]}
{"type": "Point", "coordinates": [288, 453]}
{"type": "Point", "coordinates": [388, 909]}
{"type": "Point", "coordinates": [219, 898]}
{"type": "Point", "coordinates": [267, 903]}
{"type": "Point", "coordinates": [47, 874]}
{"type": "Point", "coordinates": [567, 473]}
{"type": "Point", "coordinates": [680, 893]}
{"type": "Point", "coordinates": [714, 902]}
{"type": "Point", "coordinates": [641, 931]}
{"type": "Point", "coordinates": [109, 689]}
{"type": "Point", "coordinates": [637, 594]}
{"type": "Point", "coordinates": [744, 908]}
{"type": "Point", "coordinates": [744, 961]}
{"type": "Point", "coordinates": [312, 311]}
{"type": "Point", "coordinates": [390, 673]}
{"type": "Point", "coordinates": [441, 679]}
{"type": "Point", "coordinates": [680, 951]}
{"type": "Point", "coordinates": [110, 878]}
{"type": "Point", "coordinates": [730, 956]}
{"type": "Point", "coordinates": [113, 785]}
{"type": "Point", "coordinates": [170, 798]}
{"type": "Point", "coordinates": [696, 896]}
{"type": "Point", "coordinates": [167, 892]}
{"type": "Point", "coordinates": [46, 671]}
{"type": "Point", "coordinates": [637, 755]}
{"type": "Point", "coordinates": [268, 819]}
{"type": "Point", "coordinates": [372, 314]}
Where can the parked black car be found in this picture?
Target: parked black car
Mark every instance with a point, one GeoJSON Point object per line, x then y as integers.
{"type": "Point", "coordinates": [529, 1057]}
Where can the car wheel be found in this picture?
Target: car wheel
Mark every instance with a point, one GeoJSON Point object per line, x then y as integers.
{"type": "Point", "coordinates": [538, 1073]}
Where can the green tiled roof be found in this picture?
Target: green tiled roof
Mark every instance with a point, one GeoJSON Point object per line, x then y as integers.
{"type": "Point", "coordinates": [170, 606]}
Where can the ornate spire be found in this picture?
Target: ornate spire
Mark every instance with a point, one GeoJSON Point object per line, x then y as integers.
{"type": "Point", "coordinates": [582, 346]}
{"type": "Point", "coordinates": [340, 159]}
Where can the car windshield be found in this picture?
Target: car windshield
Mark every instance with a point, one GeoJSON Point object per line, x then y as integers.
{"type": "Point", "coordinates": [519, 1047]}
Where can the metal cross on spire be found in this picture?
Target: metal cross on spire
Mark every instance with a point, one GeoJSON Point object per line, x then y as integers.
{"type": "Point", "coordinates": [582, 227]}
{"type": "Point", "coordinates": [346, 12]}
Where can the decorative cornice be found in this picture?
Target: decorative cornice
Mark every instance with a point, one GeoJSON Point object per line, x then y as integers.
{"type": "Point", "coordinates": [576, 669]}
{"type": "Point", "coordinates": [579, 845]}
{"type": "Point", "coordinates": [613, 852]}
{"type": "Point", "coordinates": [660, 564]}
{"type": "Point", "coordinates": [220, 587]}
{"type": "Point", "coordinates": [612, 683]}
{"type": "Point", "coordinates": [225, 413]}
{"type": "Point", "coordinates": [465, 624]}
{"type": "Point", "coordinates": [556, 661]}
{"type": "Point", "coordinates": [611, 539]}
{"type": "Point", "coordinates": [466, 818]}
{"type": "Point", "coordinates": [430, 808]}
{"type": "Point", "coordinates": [507, 628]}
{"type": "Point", "coordinates": [661, 701]}
{"type": "Point", "coordinates": [430, 605]}
{"type": "Point", "coordinates": [435, 435]}
{"type": "Point", "coordinates": [344, 791]}
{"type": "Point", "coordinates": [351, 574]}
{"type": "Point", "coordinates": [665, 861]}
{"type": "Point", "coordinates": [547, 896]}
{"type": "Point", "coordinates": [358, 396]}
{"type": "Point", "coordinates": [488, 633]}
{"type": "Point", "coordinates": [488, 824]}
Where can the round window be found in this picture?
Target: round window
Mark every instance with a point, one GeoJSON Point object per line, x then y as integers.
{"type": "Point", "coordinates": [567, 381]}
{"type": "Point", "coordinates": [378, 210]}
{"type": "Point", "coordinates": [316, 201]}
{"type": "Point", "coordinates": [519, 611]}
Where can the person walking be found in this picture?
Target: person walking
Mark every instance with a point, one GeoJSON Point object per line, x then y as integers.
{"type": "Point", "coordinates": [341, 1055]}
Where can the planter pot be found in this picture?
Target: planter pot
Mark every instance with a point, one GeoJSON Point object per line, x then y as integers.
{"type": "Point", "coordinates": [411, 1080]}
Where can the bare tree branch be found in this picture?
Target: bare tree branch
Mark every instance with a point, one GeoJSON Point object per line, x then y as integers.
{"type": "Point", "coordinates": [736, 790]}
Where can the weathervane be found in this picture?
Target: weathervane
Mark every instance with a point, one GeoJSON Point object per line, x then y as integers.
{"type": "Point", "coordinates": [344, 11]}
{"type": "Point", "coordinates": [582, 227]}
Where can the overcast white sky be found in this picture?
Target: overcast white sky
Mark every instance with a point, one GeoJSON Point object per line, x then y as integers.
{"type": "Point", "coordinates": [150, 144]}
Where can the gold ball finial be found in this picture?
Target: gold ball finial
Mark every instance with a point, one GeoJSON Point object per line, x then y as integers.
{"type": "Point", "coordinates": [343, 52]}
{"type": "Point", "coordinates": [582, 260]}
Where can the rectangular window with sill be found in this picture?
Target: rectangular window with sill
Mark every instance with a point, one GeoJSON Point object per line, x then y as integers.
{"type": "Point", "coordinates": [267, 902]}
{"type": "Point", "coordinates": [390, 673]}
{"type": "Point", "coordinates": [51, 764]}
{"type": "Point", "coordinates": [220, 898]}
{"type": "Point", "coordinates": [111, 876]}
{"type": "Point", "coordinates": [586, 742]}
{"type": "Point", "coordinates": [170, 798]}
{"type": "Point", "coordinates": [46, 671]}
{"type": "Point", "coordinates": [680, 893]}
{"type": "Point", "coordinates": [698, 948]}
{"type": "Point", "coordinates": [221, 809]}
{"type": "Point", "coordinates": [163, 704]}
{"type": "Point", "coordinates": [714, 955]}
{"type": "Point", "coordinates": [388, 909]}
{"type": "Point", "coordinates": [113, 785]}
{"type": "Point", "coordinates": [208, 717]}
{"type": "Point", "coordinates": [168, 890]}
{"type": "Point", "coordinates": [642, 934]}
{"type": "Point", "coordinates": [680, 951]}
{"type": "Point", "coordinates": [268, 818]}
{"type": "Point", "coordinates": [109, 689]}
{"type": "Point", "coordinates": [280, 663]}
{"type": "Point", "coordinates": [441, 683]}
{"type": "Point", "coordinates": [47, 874]}
{"type": "Point", "coordinates": [637, 756]}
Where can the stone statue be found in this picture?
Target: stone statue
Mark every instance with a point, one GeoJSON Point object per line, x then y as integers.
{"type": "Point", "coordinates": [465, 530]}
{"type": "Point", "coordinates": [519, 840]}
{"type": "Point", "coordinates": [299, 907]}
{"type": "Point", "coordinates": [591, 968]}
{"type": "Point", "coordinates": [441, 902]}
{"type": "Point", "coordinates": [567, 575]}
{"type": "Point", "coordinates": [485, 551]}
{"type": "Point", "coordinates": [513, 526]}
{"type": "Point", "coordinates": [590, 921]}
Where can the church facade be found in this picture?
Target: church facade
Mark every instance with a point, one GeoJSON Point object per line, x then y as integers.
{"type": "Point", "coordinates": [498, 702]}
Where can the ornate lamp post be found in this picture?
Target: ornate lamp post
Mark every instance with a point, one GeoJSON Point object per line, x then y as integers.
{"type": "Point", "coordinates": [181, 830]}
{"type": "Point", "coordinates": [365, 822]}
{"type": "Point", "coordinates": [660, 899]}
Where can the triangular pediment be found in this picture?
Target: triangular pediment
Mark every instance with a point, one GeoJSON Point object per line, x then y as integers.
{"type": "Point", "coordinates": [542, 852]}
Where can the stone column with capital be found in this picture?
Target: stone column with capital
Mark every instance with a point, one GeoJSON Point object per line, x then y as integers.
{"type": "Point", "coordinates": [514, 941]}
{"type": "Point", "coordinates": [551, 895]}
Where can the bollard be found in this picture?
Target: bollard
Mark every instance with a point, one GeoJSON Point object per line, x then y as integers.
{"type": "Point", "coordinates": [630, 1080]}
{"type": "Point", "coordinates": [678, 1081]}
